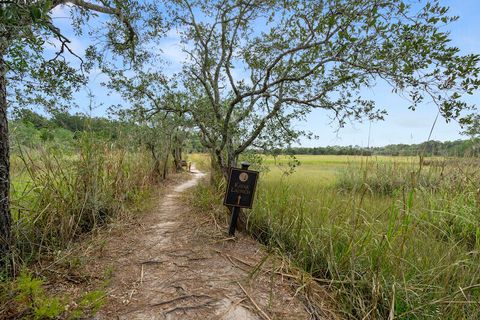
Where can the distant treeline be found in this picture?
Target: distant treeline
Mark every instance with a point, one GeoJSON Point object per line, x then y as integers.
{"type": "Point", "coordinates": [74, 123]}
{"type": "Point", "coordinates": [459, 148]}
{"type": "Point", "coordinates": [31, 128]}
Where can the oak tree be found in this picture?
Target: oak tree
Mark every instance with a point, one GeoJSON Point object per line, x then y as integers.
{"type": "Point", "coordinates": [254, 67]}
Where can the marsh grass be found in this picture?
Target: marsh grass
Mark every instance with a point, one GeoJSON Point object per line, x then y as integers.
{"type": "Point", "coordinates": [390, 238]}
{"type": "Point", "coordinates": [58, 194]}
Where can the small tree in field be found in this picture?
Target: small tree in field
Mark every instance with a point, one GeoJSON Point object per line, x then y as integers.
{"type": "Point", "coordinates": [161, 133]}
{"type": "Point", "coordinates": [154, 103]}
{"type": "Point", "coordinates": [255, 66]}
{"type": "Point", "coordinates": [28, 77]}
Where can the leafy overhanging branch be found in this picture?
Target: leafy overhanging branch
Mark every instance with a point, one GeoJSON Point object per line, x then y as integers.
{"type": "Point", "coordinates": [254, 68]}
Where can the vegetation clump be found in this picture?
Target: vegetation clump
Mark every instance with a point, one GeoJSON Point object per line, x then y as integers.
{"type": "Point", "coordinates": [31, 301]}
{"type": "Point", "coordinates": [388, 238]}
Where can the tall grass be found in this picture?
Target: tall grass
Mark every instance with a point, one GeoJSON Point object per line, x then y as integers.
{"type": "Point", "coordinates": [390, 240]}
{"type": "Point", "coordinates": [387, 177]}
{"type": "Point", "coordinates": [58, 194]}
{"type": "Point", "coordinates": [62, 189]}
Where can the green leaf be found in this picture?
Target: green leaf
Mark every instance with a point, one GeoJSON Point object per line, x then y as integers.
{"type": "Point", "coordinates": [36, 13]}
{"type": "Point", "coordinates": [47, 5]}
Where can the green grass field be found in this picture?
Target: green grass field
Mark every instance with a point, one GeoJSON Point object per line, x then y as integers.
{"type": "Point", "coordinates": [389, 238]}
{"type": "Point", "coordinates": [323, 170]}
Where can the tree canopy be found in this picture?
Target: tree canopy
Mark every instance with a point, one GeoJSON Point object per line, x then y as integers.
{"type": "Point", "coordinates": [38, 78]}
{"type": "Point", "coordinates": [30, 77]}
{"type": "Point", "coordinates": [254, 67]}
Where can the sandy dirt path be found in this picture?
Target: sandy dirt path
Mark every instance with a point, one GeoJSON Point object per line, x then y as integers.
{"type": "Point", "coordinates": [178, 265]}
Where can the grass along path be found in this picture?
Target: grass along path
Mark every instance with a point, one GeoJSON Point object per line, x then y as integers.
{"type": "Point", "coordinates": [177, 265]}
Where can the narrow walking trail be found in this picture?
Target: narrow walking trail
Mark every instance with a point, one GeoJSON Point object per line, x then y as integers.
{"type": "Point", "coordinates": [177, 265]}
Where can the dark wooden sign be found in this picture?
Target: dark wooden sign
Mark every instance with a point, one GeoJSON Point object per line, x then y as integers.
{"type": "Point", "coordinates": [241, 188]}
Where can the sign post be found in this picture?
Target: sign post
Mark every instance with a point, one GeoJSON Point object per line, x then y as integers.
{"type": "Point", "coordinates": [240, 191]}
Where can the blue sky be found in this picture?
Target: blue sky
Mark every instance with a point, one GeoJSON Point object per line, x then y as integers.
{"type": "Point", "coordinates": [400, 125]}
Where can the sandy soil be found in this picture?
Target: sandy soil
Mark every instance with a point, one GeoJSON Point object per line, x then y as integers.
{"type": "Point", "coordinates": [178, 265]}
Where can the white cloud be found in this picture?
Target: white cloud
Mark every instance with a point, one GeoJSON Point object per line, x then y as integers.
{"type": "Point", "coordinates": [174, 33]}
{"type": "Point", "coordinates": [173, 52]}
{"type": "Point", "coordinates": [61, 11]}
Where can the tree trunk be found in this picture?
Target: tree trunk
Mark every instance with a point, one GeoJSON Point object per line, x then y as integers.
{"type": "Point", "coordinates": [220, 166]}
{"type": "Point", "coordinates": [218, 172]}
{"type": "Point", "coordinates": [5, 216]}
{"type": "Point", "coordinates": [156, 161]}
{"type": "Point", "coordinates": [167, 155]}
{"type": "Point", "coordinates": [177, 156]}
{"type": "Point", "coordinates": [165, 166]}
